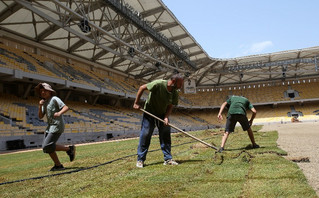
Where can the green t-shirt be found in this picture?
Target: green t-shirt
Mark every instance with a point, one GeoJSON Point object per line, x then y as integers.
{"type": "Point", "coordinates": [238, 105]}
{"type": "Point", "coordinates": [159, 97]}
{"type": "Point", "coordinates": [51, 106]}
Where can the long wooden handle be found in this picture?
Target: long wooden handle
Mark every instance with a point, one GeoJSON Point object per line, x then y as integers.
{"type": "Point", "coordinates": [180, 130]}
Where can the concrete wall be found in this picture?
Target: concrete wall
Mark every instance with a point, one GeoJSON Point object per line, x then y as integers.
{"type": "Point", "coordinates": [35, 141]}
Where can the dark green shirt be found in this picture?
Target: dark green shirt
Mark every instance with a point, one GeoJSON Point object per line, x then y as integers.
{"type": "Point", "coordinates": [238, 105]}
{"type": "Point", "coordinates": [159, 97]}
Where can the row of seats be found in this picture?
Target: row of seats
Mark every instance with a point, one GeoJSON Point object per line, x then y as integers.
{"type": "Point", "coordinates": [21, 117]}
{"type": "Point", "coordinates": [78, 73]}
{"type": "Point", "coordinates": [262, 94]}
{"type": "Point", "coordinates": [84, 117]}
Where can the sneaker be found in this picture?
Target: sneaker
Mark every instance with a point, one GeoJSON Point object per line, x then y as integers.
{"type": "Point", "coordinates": [57, 168]}
{"type": "Point", "coordinates": [170, 162]}
{"type": "Point", "coordinates": [221, 149]}
{"type": "Point", "coordinates": [256, 146]}
{"type": "Point", "coordinates": [140, 164]}
{"type": "Point", "coordinates": [71, 153]}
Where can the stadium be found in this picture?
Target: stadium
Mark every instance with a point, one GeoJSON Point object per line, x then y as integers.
{"type": "Point", "coordinates": [96, 54]}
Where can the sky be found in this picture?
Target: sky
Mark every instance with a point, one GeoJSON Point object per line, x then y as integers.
{"type": "Point", "coordinates": [235, 28]}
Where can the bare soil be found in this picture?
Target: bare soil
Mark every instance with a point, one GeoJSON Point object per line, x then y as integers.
{"type": "Point", "coordinates": [301, 141]}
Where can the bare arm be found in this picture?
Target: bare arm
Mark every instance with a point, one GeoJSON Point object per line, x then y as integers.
{"type": "Point", "coordinates": [168, 113]}
{"type": "Point", "coordinates": [219, 116]}
{"type": "Point", "coordinates": [40, 113]}
{"type": "Point", "coordinates": [138, 96]}
{"type": "Point", "coordinates": [252, 116]}
{"type": "Point", "coordinates": [62, 111]}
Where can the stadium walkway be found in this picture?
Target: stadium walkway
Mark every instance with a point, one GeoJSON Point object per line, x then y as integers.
{"type": "Point", "coordinates": [300, 140]}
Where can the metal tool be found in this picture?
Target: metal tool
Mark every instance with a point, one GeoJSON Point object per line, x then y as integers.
{"type": "Point", "coordinates": [180, 130]}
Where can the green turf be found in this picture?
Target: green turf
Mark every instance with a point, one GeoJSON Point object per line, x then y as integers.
{"type": "Point", "coordinates": [244, 172]}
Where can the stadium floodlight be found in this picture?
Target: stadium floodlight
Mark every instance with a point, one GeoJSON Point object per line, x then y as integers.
{"type": "Point", "coordinates": [84, 26]}
{"type": "Point", "coordinates": [241, 75]}
{"type": "Point", "coordinates": [131, 51]}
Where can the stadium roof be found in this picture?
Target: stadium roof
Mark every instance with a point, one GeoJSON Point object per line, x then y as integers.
{"type": "Point", "coordinates": [142, 39]}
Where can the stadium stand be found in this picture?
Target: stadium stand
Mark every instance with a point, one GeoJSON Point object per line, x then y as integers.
{"type": "Point", "coordinates": [19, 116]}
{"type": "Point", "coordinates": [99, 116]}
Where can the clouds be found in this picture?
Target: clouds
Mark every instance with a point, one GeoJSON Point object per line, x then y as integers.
{"type": "Point", "coordinates": [255, 48]}
{"type": "Point", "coordinates": [260, 47]}
{"type": "Point", "coordinates": [250, 49]}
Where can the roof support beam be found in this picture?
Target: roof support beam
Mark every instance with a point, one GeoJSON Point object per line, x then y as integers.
{"type": "Point", "coordinates": [195, 53]}
{"type": "Point", "coordinates": [9, 11]}
{"type": "Point", "coordinates": [270, 64]}
{"type": "Point", "coordinates": [220, 75]}
{"type": "Point", "coordinates": [209, 67]}
{"type": "Point", "coordinates": [154, 76]}
{"type": "Point", "coordinates": [146, 73]}
{"type": "Point", "coordinates": [189, 45]}
{"type": "Point", "coordinates": [145, 26]}
{"type": "Point", "coordinates": [75, 16]}
{"type": "Point", "coordinates": [102, 53]}
{"type": "Point", "coordinates": [179, 37]}
{"type": "Point", "coordinates": [152, 12]}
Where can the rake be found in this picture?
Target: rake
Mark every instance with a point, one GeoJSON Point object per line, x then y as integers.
{"type": "Point", "coordinates": [180, 130]}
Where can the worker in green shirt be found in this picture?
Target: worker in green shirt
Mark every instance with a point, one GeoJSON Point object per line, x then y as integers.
{"type": "Point", "coordinates": [237, 106]}
{"type": "Point", "coordinates": [163, 95]}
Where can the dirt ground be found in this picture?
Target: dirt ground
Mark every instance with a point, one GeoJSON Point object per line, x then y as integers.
{"type": "Point", "coordinates": [300, 140]}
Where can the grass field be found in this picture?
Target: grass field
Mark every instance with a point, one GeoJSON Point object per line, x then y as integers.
{"type": "Point", "coordinates": [108, 170]}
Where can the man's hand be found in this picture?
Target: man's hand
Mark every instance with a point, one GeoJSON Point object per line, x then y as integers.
{"type": "Point", "coordinates": [136, 106]}
{"type": "Point", "coordinates": [166, 121]}
{"type": "Point", "coordinates": [220, 117]}
{"type": "Point", "coordinates": [250, 122]}
{"type": "Point", "coordinates": [41, 102]}
{"type": "Point", "coordinates": [57, 114]}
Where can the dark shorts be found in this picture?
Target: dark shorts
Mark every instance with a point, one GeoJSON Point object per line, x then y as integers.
{"type": "Point", "coordinates": [233, 119]}
{"type": "Point", "coordinates": [49, 142]}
